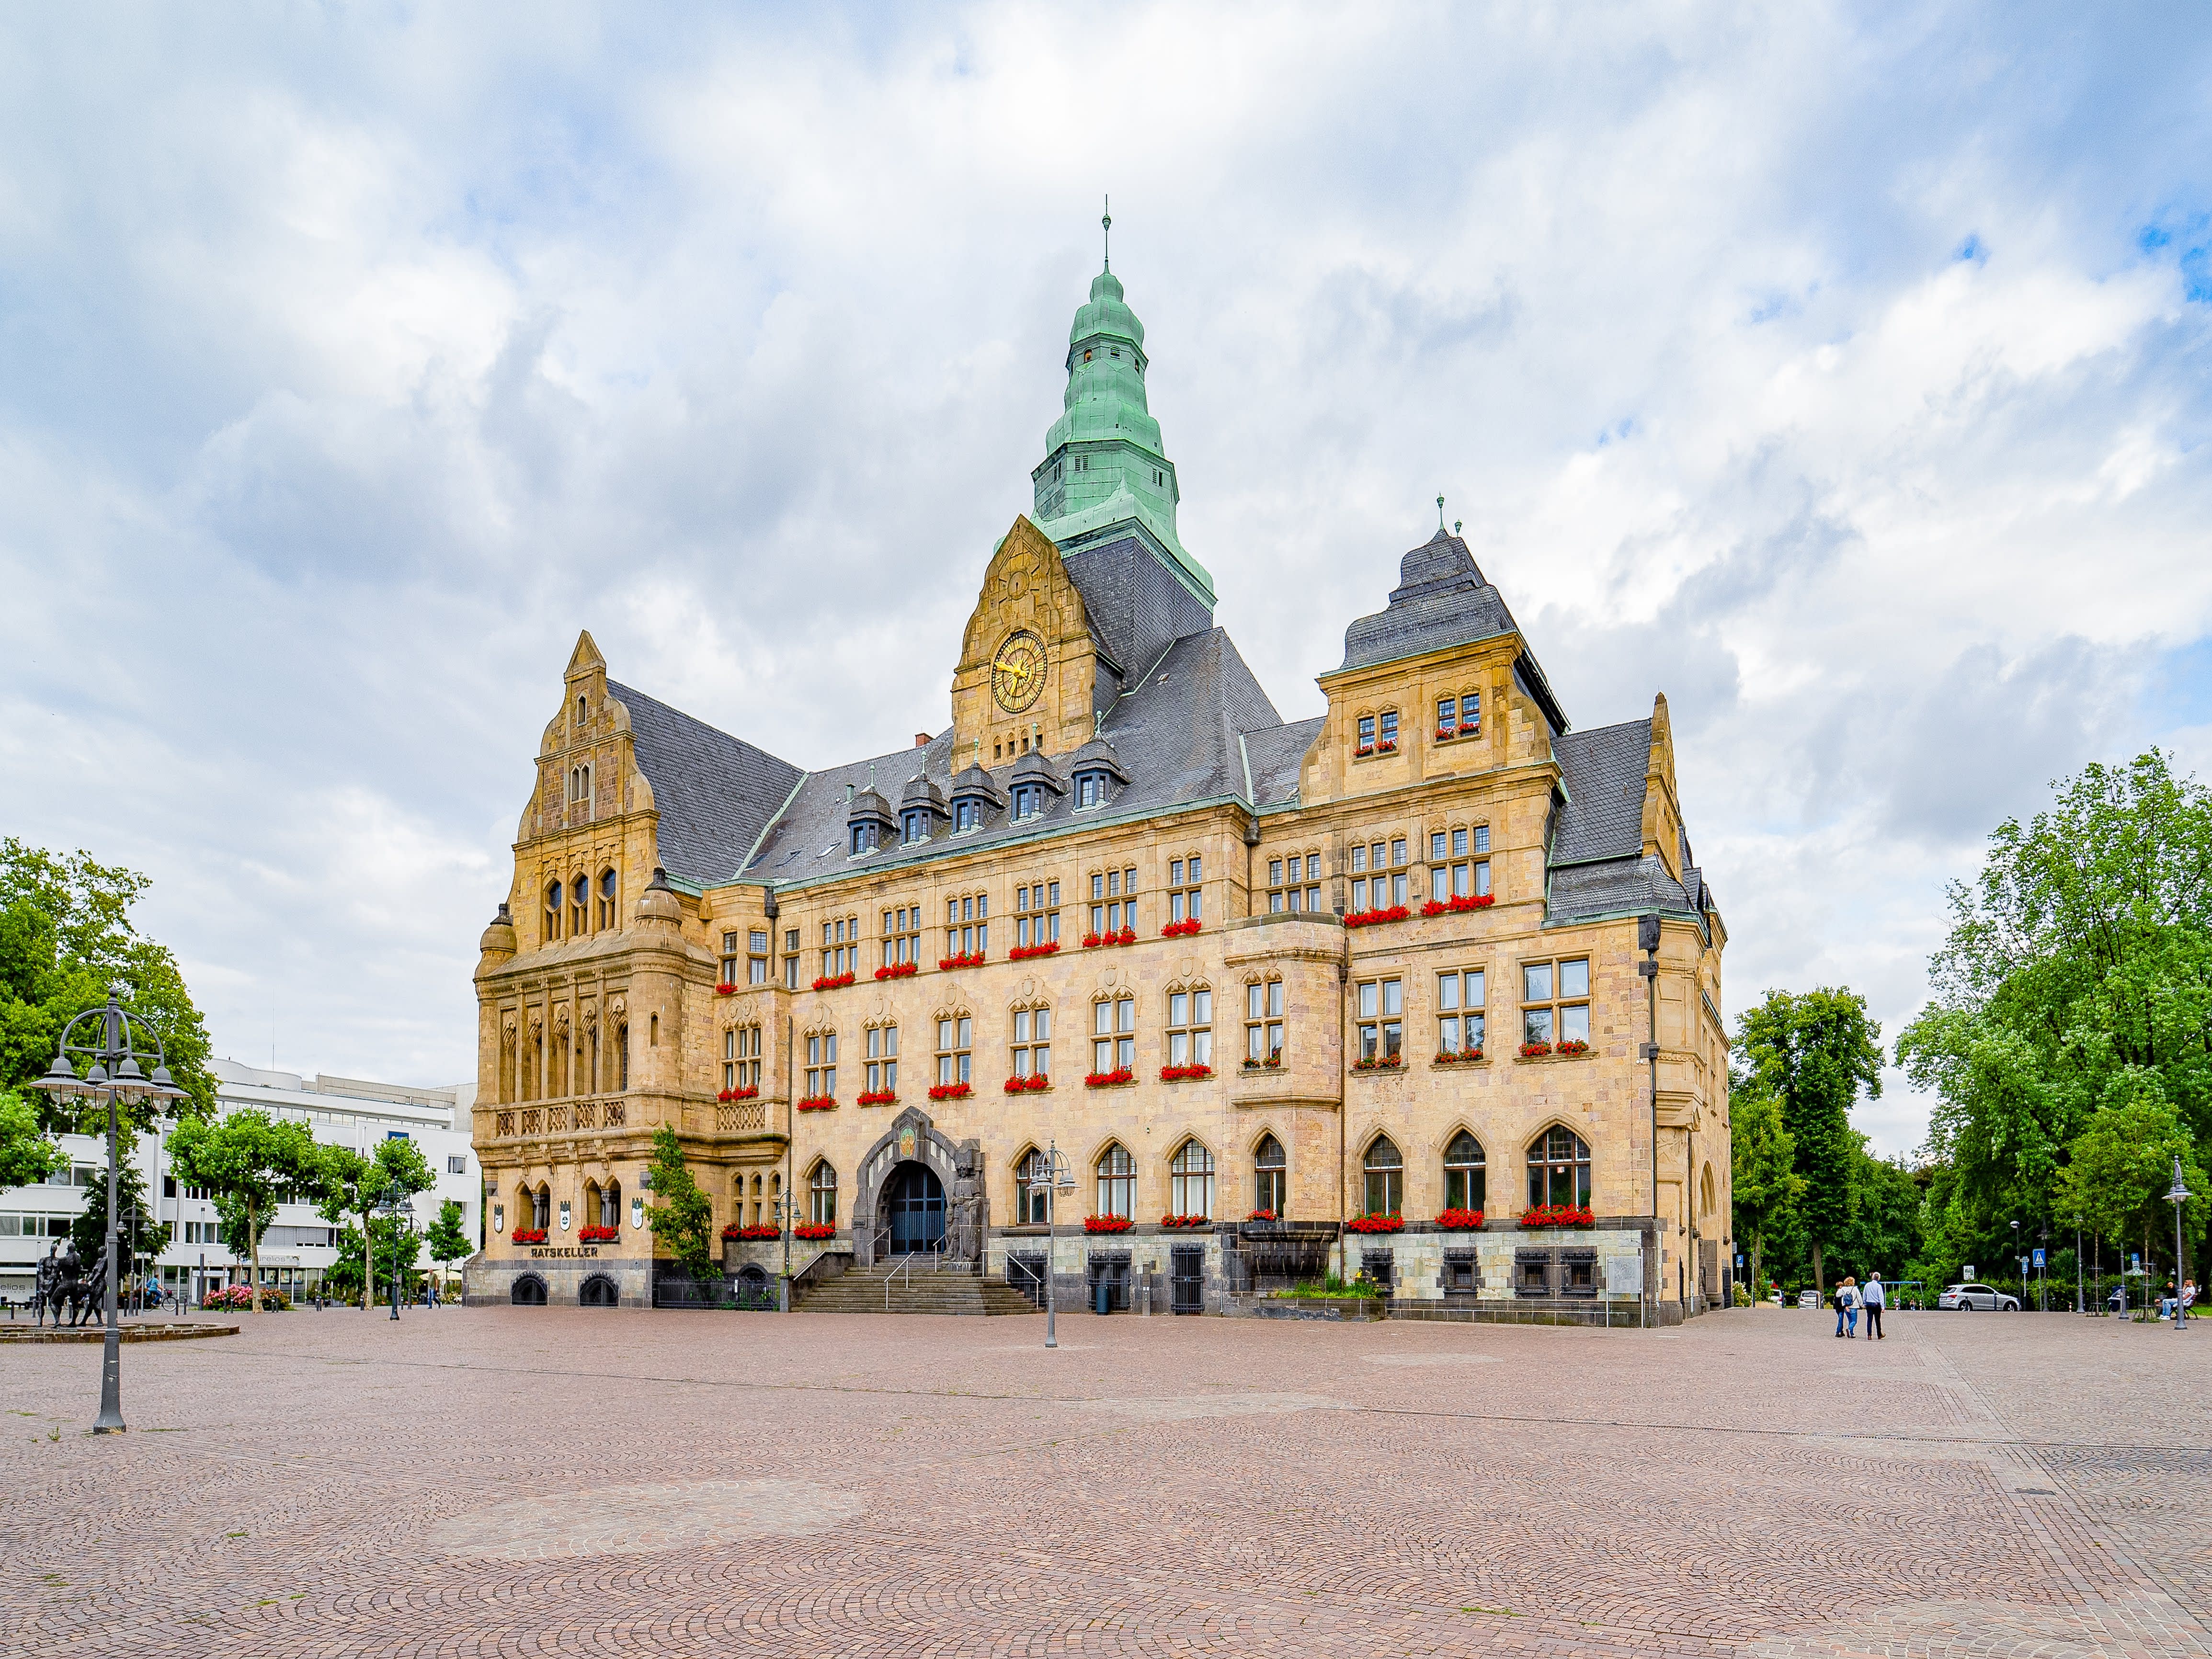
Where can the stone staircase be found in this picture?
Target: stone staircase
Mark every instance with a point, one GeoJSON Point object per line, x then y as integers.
{"type": "Point", "coordinates": [923, 1291]}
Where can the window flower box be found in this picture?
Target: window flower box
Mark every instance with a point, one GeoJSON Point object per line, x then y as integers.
{"type": "Point", "coordinates": [1457, 1057]}
{"type": "Point", "coordinates": [1534, 1050]}
{"type": "Point", "coordinates": [1370, 918]}
{"type": "Point", "coordinates": [528, 1234]}
{"type": "Point", "coordinates": [832, 981]}
{"type": "Point", "coordinates": [819, 1103]}
{"type": "Point", "coordinates": [1362, 752]}
{"type": "Point", "coordinates": [1105, 1224]}
{"type": "Point", "coordinates": [1094, 941]}
{"type": "Point", "coordinates": [1273, 1063]}
{"type": "Point", "coordinates": [1185, 1073]}
{"type": "Point", "coordinates": [1377, 1224]}
{"type": "Point", "coordinates": [1380, 1063]}
{"type": "Point", "coordinates": [1263, 1215]}
{"type": "Point", "coordinates": [898, 971]}
{"type": "Point", "coordinates": [1035, 1084]}
{"type": "Point", "coordinates": [1557, 1215]}
{"type": "Point", "coordinates": [815, 1230]}
{"type": "Point", "coordinates": [1025, 953]}
{"type": "Point", "coordinates": [1570, 1046]}
{"type": "Point", "coordinates": [1387, 747]}
{"type": "Point", "coordinates": [1113, 1079]}
{"type": "Point", "coordinates": [737, 1094]}
{"type": "Point", "coordinates": [950, 1091]}
{"type": "Point", "coordinates": [725, 989]}
{"type": "Point", "coordinates": [1445, 734]}
{"type": "Point", "coordinates": [1459, 1221]}
{"type": "Point", "coordinates": [965, 959]}
{"type": "Point", "coordinates": [1186, 1221]}
{"type": "Point", "coordinates": [1180, 929]}
{"type": "Point", "coordinates": [878, 1098]}
{"type": "Point", "coordinates": [737, 1231]}
{"type": "Point", "coordinates": [1459, 904]}
{"type": "Point", "coordinates": [1470, 728]}
{"type": "Point", "coordinates": [597, 1235]}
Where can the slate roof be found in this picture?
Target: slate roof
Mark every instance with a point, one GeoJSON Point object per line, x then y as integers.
{"type": "Point", "coordinates": [716, 793]}
{"type": "Point", "coordinates": [1598, 866]}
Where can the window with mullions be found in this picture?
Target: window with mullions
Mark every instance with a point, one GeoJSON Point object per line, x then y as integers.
{"type": "Point", "coordinates": [901, 935]}
{"type": "Point", "coordinates": [1032, 1043]}
{"type": "Point", "coordinates": [790, 957]}
{"type": "Point", "coordinates": [863, 838]}
{"type": "Point", "coordinates": [607, 889]}
{"type": "Point", "coordinates": [1294, 884]}
{"type": "Point", "coordinates": [741, 1057]}
{"type": "Point", "coordinates": [553, 897]}
{"type": "Point", "coordinates": [1555, 1000]}
{"type": "Point", "coordinates": [1113, 1035]}
{"type": "Point", "coordinates": [914, 824]}
{"type": "Point", "coordinates": [1263, 1022]}
{"type": "Point", "coordinates": [1190, 1027]}
{"type": "Point", "coordinates": [730, 958]}
{"type": "Point", "coordinates": [841, 947]}
{"type": "Point", "coordinates": [1113, 900]}
{"type": "Point", "coordinates": [822, 1195]}
{"type": "Point", "coordinates": [1036, 915]}
{"type": "Point", "coordinates": [821, 1065]}
{"type": "Point", "coordinates": [1381, 1019]}
{"type": "Point", "coordinates": [967, 814]}
{"type": "Point", "coordinates": [1033, 1189]}
{"type": "Point", "coordinates": [1462, 1024]}
{"type": "Point", "coordinates": [1465, 1185]}
{"type": "Point", "coordinates": [1270, 1177]}
{"type": "Point", "coordinates": [1117, 1182]}
{"type": "Point", "coordinates": [580, 907]}
{"type": "Point", "coordinates": [1386, 1177]}
{"type": "Point", "coordinates": [757, 956]}
{"type": "Point", "coordinates": [1090, 789]}
{"type": "Point", "coordinates": [956, 1040]}
{"type": "Point", "coordinates": [883, 1060]}
{"type": "Point", "coordinates": [1190, 1180]}
{"type": "Point", "coordinates": [1459, 863]}
{"type": "Point", "coordinates": [1186, 894]}
{"type": "Point", "coordinates": [1371, 888]}
{"type": "Point", "coordinates": [966, 925]}
{"type": "Point", "coordinates": [1029, 800]}
{"type": "Point", "coordinates": [1559, 1169]}
{"type": "Point", "coordinates": [1460, 716]}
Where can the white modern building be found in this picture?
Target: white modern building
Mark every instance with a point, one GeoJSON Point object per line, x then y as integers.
{"type": "Point", "coordinates": [299, 1245]}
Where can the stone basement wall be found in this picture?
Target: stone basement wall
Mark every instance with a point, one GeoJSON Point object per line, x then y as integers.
{"type": "Point", "coordinates": [1143, 1255]}
{"type": "Point", "coordinates": [488, 1280]}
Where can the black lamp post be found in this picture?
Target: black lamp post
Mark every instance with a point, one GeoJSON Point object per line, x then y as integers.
{"type": "Point", "coordinates": [2178, 1197]}
{"type": "Point", "coordinates": [397, 1205]}
{"type": "Point", "coordinates": [112, 1045]}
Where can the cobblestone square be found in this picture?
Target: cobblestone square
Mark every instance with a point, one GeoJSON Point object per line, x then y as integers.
{"type": "Point", "coordinates": [547, 1481]}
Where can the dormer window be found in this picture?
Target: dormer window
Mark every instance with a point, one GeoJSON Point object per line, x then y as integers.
{"type": "Point", "coordinates": [863, 839]}
{"type": "Point", "coordinates": [916, 825]}
{"type": "Point", "coordinates": [967, 814]}
{"type": "Point", "coordinates": [1029, 799]}
{"type": "Point", "coordinates": [1090, 789]}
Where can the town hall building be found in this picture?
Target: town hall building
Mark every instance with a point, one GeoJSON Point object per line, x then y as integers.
{"type": "Point", "coordinates": [1427, 987]}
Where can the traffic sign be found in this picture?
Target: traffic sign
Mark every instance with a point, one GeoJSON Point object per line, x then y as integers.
{"type": "Point", "coordinates": [2039, 1258]}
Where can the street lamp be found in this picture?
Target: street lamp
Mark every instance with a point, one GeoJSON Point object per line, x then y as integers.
{"type": "Point", "coordinates": [397, 1205]}
{"type": "Point", "coordinates": [784, 1210]}
{"type": "Point", "coordinates": [2178, 1197]}
{"type": "Point", "coordinates": [121, 1037]}
{"type": "Point", "coordinates": [1059, 1178]}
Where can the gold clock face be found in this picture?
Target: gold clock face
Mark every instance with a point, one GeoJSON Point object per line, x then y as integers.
{"type": "Point", "coordinates": [1017, 671]}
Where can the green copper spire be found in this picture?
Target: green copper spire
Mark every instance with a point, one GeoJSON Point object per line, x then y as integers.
{"type": "Point", "coordinates": [1105, 475]}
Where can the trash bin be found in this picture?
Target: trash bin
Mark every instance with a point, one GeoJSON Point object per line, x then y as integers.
{"type": "Point", "coordinates": [1102, 1294]}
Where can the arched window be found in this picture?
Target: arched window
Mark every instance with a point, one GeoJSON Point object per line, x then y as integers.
{"type": "Point", "coordinates": [610, 1205]}
{"type": "Point", "coordinates": [1559, 1169]}
{"type": "Point", "coordinates": [1705, 1192]}
{"type": "Point", "coordinates": [1190, 1180]}
{"type": "Point", "coordinates": [1464, 1174]}
{"type": "Point", "coordinates": [822, 1195]}
{"type": "Point", "coordinates": [608, 888]}
{"type": "Point", "coordinates": [1386, 1177]}
{"type": "Point", "coordinates": [1033, 1184]}
{"type": "Point", "coordinates": [580, 907]}
{"type": "Point", "coordinates": [541, 1207]}
{"type": "Point", "coordinates": [552, 912]}
{"type": "Point", "coordinates": [1117, 1182]}
{"type": "Point", "coordinates": [1270, 1177]}
{"type": "Point", "coordinates": [621, 1056]}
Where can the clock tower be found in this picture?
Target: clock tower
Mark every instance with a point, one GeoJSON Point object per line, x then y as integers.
{"type": "Point", "coordinates": [1029, 676]}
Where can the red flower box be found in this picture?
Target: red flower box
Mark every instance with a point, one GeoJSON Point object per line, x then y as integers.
{"type": "Point", "coordinates": [1273, 1063]}
{"type": "Point", "coordinates": [951, 1091]}
{"type": "Point", "coordinates": [528, 1234]}
{"type": "Point", "coordinates": [1263, 1215]}
{"type": "Point", "coordinates": [1459, 904]}
{"type": "Point", "coordinates": [1388, 746]}
{"type": "Point", "coordinates": [1113, 1079]}
{"type": "Point", "coordinates": [1186, 1221]}
{"type": "Point", "coordinates": [1459, 1221]}
{"type": "Point", "coordinates": [1460, 1057]}
{"type": "Point", "coordinates": [1362, 754]}
{"type": "Point", "coordinates": [596, 1234]}
{"type": "Point", "coordinates": [738, 1230]}
{"type": "Point", "coordinates": [1380, 1063]}
{"type": "Point", "coordinates": [1024, 952]}
{"type": "Point", "coordinates": [1368, 918]}
{"type": "Point", "coordinates": [1105, 1224]}
{"type": "Point", "coordinates": [751, 1092]}
{"type": "Point", "coordinates": [1557, 1215]}
{"type": "Point", "coordinates": [1180, 929]}
{"type": "Point", "coordinates": [1185, 1073]}
{"type": "Point", "coordinates": [725, 989]}
{"type": "Point", "coordinates": [1445, 734]}
{"type": "Point", "coordinates": [1534, 1050]}
{"type": "Point", "coordinates": [966, 959]}
{"type": "Point", "coordinates": [1092, 941]}
{"type": "Point", "coordinates": [1035, 1082]}
{"type": "Point", "coordinates": [815, 1230]}
{"type": "Point", "coordinates": [819, 1103]}
{"type": "Point", "coordinates": [878, 1097]}
{"type": "Point", "coordinates": [898, 971]}
{"type": "Point", "coordinates": [1470, 728]}
{"type": "Point", "coordinates": [1377, 1224]}
{"type": "Point", "coordinates": [832, 981]}
{"type": "Point", "coordinates": [1570, 1046]}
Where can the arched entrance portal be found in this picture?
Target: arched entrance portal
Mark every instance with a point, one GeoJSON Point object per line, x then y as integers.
{"type": "Point", "coordinates": [914, 1200]}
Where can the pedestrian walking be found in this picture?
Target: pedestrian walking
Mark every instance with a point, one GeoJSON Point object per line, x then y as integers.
{"type": "Point", "coordinates": [1872, 1296]}
{"type": "Point", "coordinates": [1847, 1308]}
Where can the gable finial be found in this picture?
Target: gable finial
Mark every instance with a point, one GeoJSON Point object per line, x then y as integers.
{"type": "Point", "coordinates": [1455, 526]}
{"type": "Point", "coordinates": [871, 777]}
{"type": "Point", "coordinates": [1106, 224]}
{"type": "Point", "coordinates": [1440, 515]}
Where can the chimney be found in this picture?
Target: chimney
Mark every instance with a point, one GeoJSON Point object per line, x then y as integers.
{"type": "Point", "coordinates": [921, 739]}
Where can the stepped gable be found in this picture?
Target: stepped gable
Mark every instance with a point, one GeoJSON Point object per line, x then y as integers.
{"type": "Point", "coordinates": [714, 792]}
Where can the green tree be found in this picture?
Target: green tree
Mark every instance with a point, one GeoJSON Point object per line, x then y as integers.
{"type": "Point", "coordinates": [2121, 1168]}
{"type": "Point", "coordinates": [88, 1231]}
{"type": "Point", "coordinates": [395, 1249]}
{"type": "Point", "coordinates": [349, 1185]}
{"type": "Point", "coordinates": [1811, 1053]}
{"type": "Point", "coordinates": [1765, 1183]}
{"type": "Point", "coordinates": [681, 1216]}
{"type": "Point", "coordinates": [245, 1162]}
{"type": "Point", "coordinates": [26, 1154]}
{"type": "Point", "coordinates": [448, 1239]}
{"type": "Point", "coordinates": [345, 1277]}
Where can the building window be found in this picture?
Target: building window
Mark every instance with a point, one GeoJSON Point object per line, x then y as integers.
{"type": "Point", "coordinates": [741, 1050]}
{"type": "Point", "coordinates": [883, 1060]}
{"type": "Point", "coordinates": [1033, 1183]}
{"type": "Point", "coordinates": [1367, 734]}
{"type": "Point", "coordinates": [610, 1205]}
{"type": "Point", "coordinates": [1375, 890]}
{"type": "Point", "coordinates": [916, 825]}
{"type": "Point", "coordinates": [1381, 1020]}
{"type": "Point", "coordinates": [864, 837]}
{"type": "Point", "coordinates": [841, 947]}
{"type": "Point", "coordinates": [729, 975]}
{"type": "Point", "coordinates": [580, 790]}
{"type": "Point", "coordinates": [1294, 884]}
{"type": "Point", "coordinates": [1036, 915]}
{"type": "Point", "coordinates": [967, 814]}
{"type": "Point", "coordinates": [902, 935]}
{"type": "Point", "coordinates": [757, 956]}
{"type": "Point", "coordinates": [1190, 1180]}
{"type": "Point", "coordinates": [1032, 1045]}
{"type": "Point", "coordinates": [1463, 1173]}
{"type": "Point", "coordinates": [966, 925]}
{"type": "Point", "coordinates": [1113, 900]}
{"type": "Point", "coordinates": [1388, 737]}
{"type": "Point", "coordinates": [1459, 863]}
{"type": "Point", "coordinates": [790, 957]}
{"type": "Point", "coordinates": [821, 1065]}
{"type": "Point", "coordinates": [553, 913]}
{"type": "Point", "coordinates": [1186, 893]}
{"type": "Point", "coordinates": [1028, 798]}
{"type": "Point", "coordinates": [1113, 1037]}
{"type": "Point", "coordinates": [580, 907]}
{"type": "Point", "coordinates": [1555, 1000]}
{"type": "Point", "coordinates": [1559, 1169]}
{"type": "Point", "coordinates": [1459, 717]}
{"type": "Point", "coordinates": [956, 1039]}
{"type": "Point", "coordinates": [1190, 1028]}
{"type": "Point", "coordinates": [822, 1195]}
{"type": "Point", "coordinates": [457, 1164]}
{"type": "Point", "coordinates": [1263, 1023]}
{"type": "Point", "coordinates": [1090, 789]}
{"type": "Point", "coordinates": [1386, 1177]}
{"type": "Point", "coordinates": [608, 886]}
{"type": "Point", "coordinates": [1117, 1182]}
{"type": "Point", "coordinates": [1461, 1023]}
{"type": "Point", "coordinates": [1271, 1188]}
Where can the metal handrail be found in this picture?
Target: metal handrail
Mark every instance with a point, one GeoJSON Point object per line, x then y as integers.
{"type": "Point", "coordinates": [905, 1268]}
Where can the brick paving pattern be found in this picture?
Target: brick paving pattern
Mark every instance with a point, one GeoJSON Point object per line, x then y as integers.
{"type": "Point", "coordinates": [538, 1481]}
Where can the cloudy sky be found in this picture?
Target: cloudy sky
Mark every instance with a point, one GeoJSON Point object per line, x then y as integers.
{"type": "Point", "coordinates": [1842, 372]}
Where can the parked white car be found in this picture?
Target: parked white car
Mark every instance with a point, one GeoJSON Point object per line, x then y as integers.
{"type": "Point", "coordinates": [1968, 1298]}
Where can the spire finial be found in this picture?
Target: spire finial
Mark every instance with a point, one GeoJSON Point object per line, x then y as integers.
{"type": "Point", "coordinates": [1440, 515]}
{"type": "Point", "coordinates": [1106, 224]}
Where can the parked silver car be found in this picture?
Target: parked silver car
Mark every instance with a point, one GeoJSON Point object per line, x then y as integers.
{"type": "Point", "coordinates": [1986, 1298]}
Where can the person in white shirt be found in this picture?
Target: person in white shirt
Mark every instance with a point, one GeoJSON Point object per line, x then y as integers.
{"type": "Point", "coordinates": [1872, 1297]}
